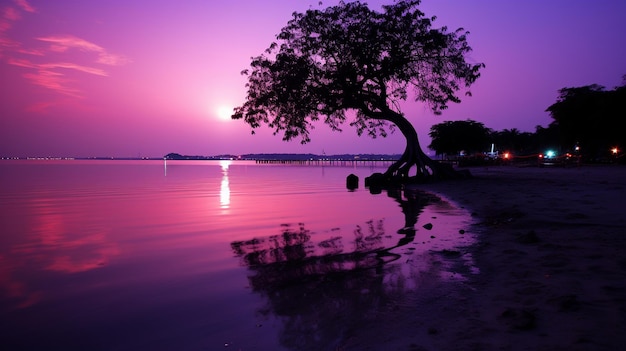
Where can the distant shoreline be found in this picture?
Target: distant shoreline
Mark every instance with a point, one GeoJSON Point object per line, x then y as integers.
{"type": "Point", "coordinates": [251, 157]}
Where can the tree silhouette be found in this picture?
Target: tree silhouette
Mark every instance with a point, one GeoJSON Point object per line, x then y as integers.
{"type": "Point", "coordinates": [451, 137]}
{"type": "Point", "coordinates": [512, 140]}
{"type": "Point", "coordinates": [578, 115]}
{"type": "Point", "coordinates": [545, 138]}
{"type": "Point", "coordinates": [349, 59]}
{"type": "Point", "coordinates": [591, 117]}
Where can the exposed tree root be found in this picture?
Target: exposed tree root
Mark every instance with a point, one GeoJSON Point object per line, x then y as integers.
{"type": "Point", "coordinates": [414, 166]}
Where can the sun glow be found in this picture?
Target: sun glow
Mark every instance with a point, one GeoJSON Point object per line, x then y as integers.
{"type": "Point", "coordinates": [224, 112]}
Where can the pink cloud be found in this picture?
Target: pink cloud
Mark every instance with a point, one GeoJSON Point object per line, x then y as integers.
{"type": "Point", "coordinates": [52, 66]}
{"type": "Point", "coordinates": [52, 75]}
{"type": "Point", "coordinates": [62, 43]}
{"type": "Point", "coordinates": [34, 52]}
{"type": "Point", "coordinates": [54, 81]}
{"type": "Point", "coordinates": [73, 66]}
{"type": "Point", "coordinates": [6, 43]}
{"type": "Point", "coordinates": [47, 75]}
{"type": "Point", "coordinates": [10, 14]}
{"type": "Point", "coordinates": [66, 42]}
{"type": "Point", "coordinates": [24, 5]}
{"type": "Point", "coordinates": [21, 63]}
{"type": "Point", "coordinates": [112, 60]}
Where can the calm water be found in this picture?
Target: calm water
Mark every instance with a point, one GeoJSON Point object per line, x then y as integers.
{"type": "Point", "coordinates": [136, 255]}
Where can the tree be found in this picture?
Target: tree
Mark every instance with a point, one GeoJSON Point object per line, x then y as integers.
{"type": "Point", "coordinates": [577, 113]}
{"type": "Point", "coordinates": [513, 140]}
{"type": "Point", "coordinates": [349, 59]}
{"type": "Point", "coordinates": [545, 138]}
{"type": "Point", "coordinates": [452, 137]}
{"type": "Point", "coordinates": [591, 117]}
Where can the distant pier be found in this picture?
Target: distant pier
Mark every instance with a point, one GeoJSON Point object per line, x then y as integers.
{"type": "Point", "coordinates": [328, 162]}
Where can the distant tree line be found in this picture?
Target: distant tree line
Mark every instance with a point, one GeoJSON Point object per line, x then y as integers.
{"type": "Point", "coordinates": [471, 137]}
{"type": "Point", "coordinates": [286, 156]}
{"type": "Point", "coordinates": [176, 156]}
{"type": "Point", "coordinates": [588, 121]}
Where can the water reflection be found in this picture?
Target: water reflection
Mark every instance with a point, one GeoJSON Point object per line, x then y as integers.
{"type": "Point", "coordinates": [325, 287]}
{"type": "Point", "coordinates": [121, 253]}
{"type": "Point", "coordinates": [55, 242]}
{"type": "Point", "coordinates": [225, 187]}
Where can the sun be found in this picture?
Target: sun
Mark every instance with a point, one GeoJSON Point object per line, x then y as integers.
{"type": "Point", "coordinates": [224, 112]}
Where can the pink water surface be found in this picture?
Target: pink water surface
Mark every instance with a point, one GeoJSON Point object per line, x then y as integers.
{"type": "Point", "coordinates": [129, 255]}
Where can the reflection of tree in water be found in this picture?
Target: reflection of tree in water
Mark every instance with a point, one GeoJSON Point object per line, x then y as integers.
{"type": "Point", "coordinates": [323, 291]}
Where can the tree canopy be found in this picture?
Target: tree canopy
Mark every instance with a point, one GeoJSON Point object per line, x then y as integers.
{"type": "Point", "coordinates": [349, 58]}
{"type": "Point", "coordinates": [591, 117]}
{"type": "Point", "coordinates": [452, 137]}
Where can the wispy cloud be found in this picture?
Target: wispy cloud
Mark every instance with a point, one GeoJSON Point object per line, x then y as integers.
{"type": "Point", "coordinates": [63, 43]}
{"type": "Point", "coordinates": [51, 76]}
{"type": "Point", "coordinates": [44, 70]}
{"type": "Point", "coordinates": [53, 80]}
{"type": "Point", "coordinates": [9, 16]}
{"type": "Point", "coordinates": [24, 5]}
{"type": "Point", "coordinates": [21, 63]}
{"type": "Point", "coordinates": [73, 66]}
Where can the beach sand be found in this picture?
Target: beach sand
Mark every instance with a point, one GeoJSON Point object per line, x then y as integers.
{"type": "Point", "coordinates": [552, 258]}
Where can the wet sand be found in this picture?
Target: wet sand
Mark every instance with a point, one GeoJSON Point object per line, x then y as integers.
{"type": "Point", "coordinates": [552, 260]}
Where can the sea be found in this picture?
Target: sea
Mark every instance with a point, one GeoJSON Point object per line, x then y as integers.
{"type": "Point", "coordinates": [214, 255]}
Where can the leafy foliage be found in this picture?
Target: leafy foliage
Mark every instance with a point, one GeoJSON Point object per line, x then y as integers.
{"type": "Point", "coordinates": [451, 137]}
{"type": "Point", "coordinates": [591, 117]}
{"type": "Point", "coordinates": [348, 57]}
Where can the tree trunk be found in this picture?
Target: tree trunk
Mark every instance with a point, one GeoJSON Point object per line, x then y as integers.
{"type": "Point", "coordinates": [426, 169]}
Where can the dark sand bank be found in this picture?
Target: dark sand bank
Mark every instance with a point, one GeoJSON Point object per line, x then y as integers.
{"type": "Point", "coordinates": [552, 259]}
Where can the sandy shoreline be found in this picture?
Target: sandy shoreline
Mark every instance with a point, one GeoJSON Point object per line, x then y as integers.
{"type": "Point", "coordinates": [552, 259]}
{"type": "Point", "coordinates": [552, 262]}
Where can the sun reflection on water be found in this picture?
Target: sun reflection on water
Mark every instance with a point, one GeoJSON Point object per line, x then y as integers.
{"type": "Point", "coordinates": [225, 187]}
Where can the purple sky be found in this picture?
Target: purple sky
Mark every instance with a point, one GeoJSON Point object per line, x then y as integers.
{"type": "Point", "coordinates": [145, 78]}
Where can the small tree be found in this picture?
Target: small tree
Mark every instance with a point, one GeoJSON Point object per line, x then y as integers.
{"type": "Point", "coordinates": [348, 58]}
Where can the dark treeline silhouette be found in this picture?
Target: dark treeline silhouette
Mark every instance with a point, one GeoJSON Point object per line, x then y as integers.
{"type": "Point", "coordinates": [588, 122]}
{"type": "Point", "coordinates": [469, 138]}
